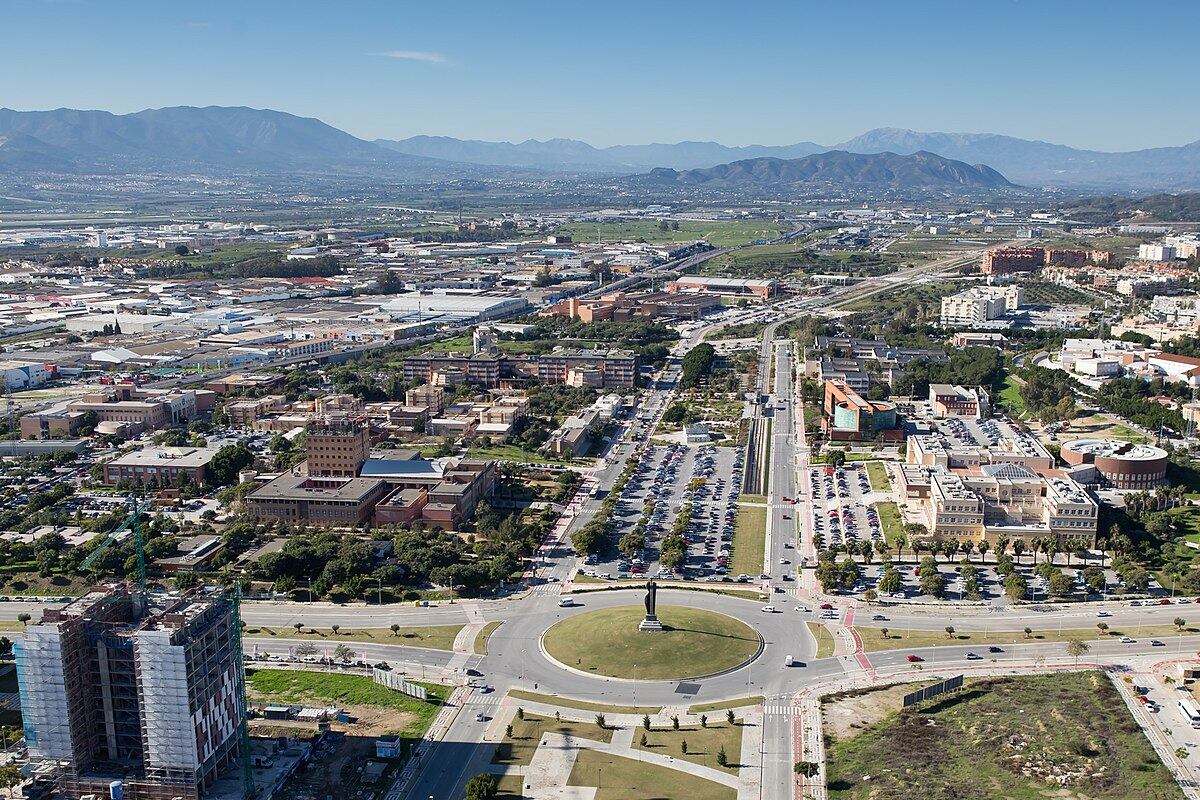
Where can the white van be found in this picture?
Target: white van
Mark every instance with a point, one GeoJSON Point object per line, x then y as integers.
{"type": "Point", "coordinates": [789, 662]}
{"type": "Point", "coordinates": [565, 602]}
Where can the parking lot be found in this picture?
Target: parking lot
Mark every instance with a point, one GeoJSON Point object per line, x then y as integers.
{"type": "Point", "coordinates": [668, 480]}
{"type": "Point", "coordinates": [841, 506]}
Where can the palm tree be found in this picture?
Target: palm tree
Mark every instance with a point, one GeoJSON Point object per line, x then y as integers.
{"type": "Point", "coordinates": [1001, 545]}
{"type": "Point", "coordinates": [983, 550]}
{"type": "Point", "coordinates": [1018, 547]}
{"type": "Point", "coordinates": [968, 547]}
{"type": "Point", "coordinates": [899, 541]}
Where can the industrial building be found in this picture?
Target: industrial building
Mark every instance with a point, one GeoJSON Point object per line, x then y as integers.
{"type": "Point", "coordinates": [135, 698]}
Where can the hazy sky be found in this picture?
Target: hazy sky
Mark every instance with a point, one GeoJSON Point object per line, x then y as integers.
{"type": "Point", "coordinates": [1089, 73]}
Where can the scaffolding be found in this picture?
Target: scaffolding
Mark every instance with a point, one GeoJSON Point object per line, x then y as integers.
{"type": "Point", "coordinates": [152, 695]}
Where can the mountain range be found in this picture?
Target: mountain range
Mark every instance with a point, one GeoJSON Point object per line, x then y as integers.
{"type": "Point", "coordinates": [920, 170]}
{"type": "Point", "coordinates": [1025, 161]}
{"type": "Point", "coordinates": [185, 139]}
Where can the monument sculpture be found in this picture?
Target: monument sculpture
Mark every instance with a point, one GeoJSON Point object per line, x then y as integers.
{"type": "Point", "coordinates": [650, 623]}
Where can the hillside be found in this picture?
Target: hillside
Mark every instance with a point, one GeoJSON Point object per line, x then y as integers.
{"type": "Point", "coordinates": [1183, 207]}
{"type": "Point", "coordinates": [838, 168]}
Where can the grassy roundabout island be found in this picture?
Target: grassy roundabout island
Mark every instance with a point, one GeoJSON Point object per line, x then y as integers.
{"type": "Point", "coordinates": [693, 642]}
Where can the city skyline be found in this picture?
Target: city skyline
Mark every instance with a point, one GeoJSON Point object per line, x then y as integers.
{"type": "Point", "coordinates": [780, 79]}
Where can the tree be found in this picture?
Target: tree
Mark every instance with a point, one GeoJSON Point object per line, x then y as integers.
{"type": "Point", "coordinates": [729, 716]}
{"type": "Point", "coordinates": [1015, 586]}
{"type": "Point", "coordinates": [836, 458]}
{"type": "Point", "coordinates": [1028, 631]}
{"type": "Point", "coordinates": [1018, 547]}
{"type": "Point", "coordinates": [890, 582]}
{"type": "Point", "coordinates": [1179, 623]}
{"type": "Point", "coordinates": [508, 731]}
{"type": "Point", "coordinates": [181, 249]}
{"type": "Point", "coordinates": [335, 628]}
{"type": "Point", "coordinates": [482, 787]}
{"type": "Point", "coordinates": [900, 541]}
{"type": "Point", "coordinates": [343, 653]}
{"type": "Point", "coordinates": [226, 463]}
{"type": "Point", "coordinates": [1076, 648]}
{"type": "Point", "coordinates": [808, 769]}
{"type": "Point", "coordinates": [646, 721]}
{"type": "Point", "coordinates": [683, 746]}
{"type": "Point", "coordinates": [600, 721]}
{"type": "Point", "coordinates": [395, 629]}
{"type": "Point", "coordinates": [675, 721]}
{"type": "Point", "coordinates": [297, 626]}
{"type": "Point", "coordinates": [885, 633]}
{"type": "Point", "coordinates": [24, 618]}
{"type": "Point", "coordinates": [644, 740]}
{"type": "Point", "coordinates": [703, 721]}
{"type": "Point", "coordinates": [304, 650]}
{"type": "Point", "coordinates": [950, 631]}
{"type": "Point", "coordinates": [520, 713]}
{"type": "Point", "coordinates": [1102, 627]}
{"type": "Point", "coordinates": [10, 776]}
{"type": "Point", "coordinates": [722, 759]}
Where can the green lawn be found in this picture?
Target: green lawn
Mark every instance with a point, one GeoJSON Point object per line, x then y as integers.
{"type": "Point", "coordinates": [901, 638]}
{"type": "Point", "coordinates": [703, 744]}
{"type": "Point", "coordinates": [721, 705]}
{"type": "Point", "coordinates": [877, 474]}
{"type": "Point", "coordinates": [510, 452]}
{"type": "Point", "coordinates": [1001, 738]}
{"type": "Point", "coordinates": [1010, 396]}
{"type": "Point", "coordinates": [619, 778]}
{"type": "Point", "coordinates": [527, 733]}
{"type": "Point", "coordinates": [749, 540]}
{"type": "Point", "coordinates": [824, 639]}
{"type": "Point", "coordinates": [889, 521]}
{"type": "Point", "coordinates": [694, 642]}
{"type": "Point", "coordinates": [580, 705]}
{"type": "Point", "coordinates": [481, 638]}
{"type": "Point", "coordinates": [433, 637]}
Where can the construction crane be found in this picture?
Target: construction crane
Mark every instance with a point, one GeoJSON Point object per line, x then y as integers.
{"type": "Point", "coordinates": [133, 524]}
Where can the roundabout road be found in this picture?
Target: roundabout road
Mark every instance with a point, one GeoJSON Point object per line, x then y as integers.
{"type": "Point", "coordinates": [514, 653]}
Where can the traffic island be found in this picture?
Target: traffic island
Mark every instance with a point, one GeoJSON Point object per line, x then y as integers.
{"type": "Point", "coordinates": [693, 643]}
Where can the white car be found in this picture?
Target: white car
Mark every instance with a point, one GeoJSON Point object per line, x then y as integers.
{"type": "Point", "coordinates": [1103, 614]}
{"type": "Point", "coordinates": [769, 610]}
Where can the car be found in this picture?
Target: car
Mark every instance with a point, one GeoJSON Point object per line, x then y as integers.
{"type": "Point", "coordinates": [769, 609]}
{"type": "Point", "coordinates": [481, 717]}
{"type": "Point", "coordinates": [485, 690]}
{"type": "Point", "coordinates": [803, 609]}
{"type": "Point", "coordinates": [783, 561]}
{"type": "Point", "coordinates": [1166, 601]}
{"type": "Point", "coordinates": [826, 606]}
{"type": "Point", "coordinates": [1156, 643]}
{"type": "Point", "coordinates": [973, 657]}
{"type": "Point", "coordinates": [1126, 640]}
{"type": "Point", "coordinates": [914, 659]}
{"type": "Point", "coordinates": [995, 649]}
{"type": "Point", "coordinates": [1103, 614]}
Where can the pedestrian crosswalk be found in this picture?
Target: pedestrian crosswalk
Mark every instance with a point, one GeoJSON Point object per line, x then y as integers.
{"type": "Point", "coordinates": [781, 711]}
{"type": "Point", "coordinates": [490, 699]}
{"type": "Point", "coordinates": [546, 589]}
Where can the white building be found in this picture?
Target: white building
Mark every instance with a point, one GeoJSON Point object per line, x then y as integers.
{"type": "Point", "coordinates": [980, 304]}
{"type": "Point", "coordinates": [1156, 252]}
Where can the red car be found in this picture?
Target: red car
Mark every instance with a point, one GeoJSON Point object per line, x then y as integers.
{"type": "Point", "coordinates": [826, 606]}
{"type": "Point", "coordinates": [914, 659]}
{"type": "Point", "coordinates": [1164, 602]}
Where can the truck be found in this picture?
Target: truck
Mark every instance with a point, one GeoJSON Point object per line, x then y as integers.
{"type": "Point", "coordinates": [1189, 709]}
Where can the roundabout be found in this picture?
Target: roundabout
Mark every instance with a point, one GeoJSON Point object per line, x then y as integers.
{"type": "Point", "coordinates": [693, 643]}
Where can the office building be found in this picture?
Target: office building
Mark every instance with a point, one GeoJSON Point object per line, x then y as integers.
{"type": "Point", "coordinates": [1120, 465]}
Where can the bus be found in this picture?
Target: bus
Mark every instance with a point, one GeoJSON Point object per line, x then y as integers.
{"type": "Point", "coordinates": [1189, 709]}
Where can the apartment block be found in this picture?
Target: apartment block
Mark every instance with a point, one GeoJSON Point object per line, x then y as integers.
{"type": "Point", "coordinates": [980, 304]}
{"type": "Point", "coordinates": [143, 699]}
{"type": "Point", "coordinates": [1007, 260]}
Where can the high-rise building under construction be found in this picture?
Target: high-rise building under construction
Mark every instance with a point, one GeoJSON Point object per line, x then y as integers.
{"type": "Point", "coordinates": [117, 688]}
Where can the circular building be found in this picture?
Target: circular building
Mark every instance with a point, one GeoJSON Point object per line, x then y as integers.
{"type": "Point", "coordinates": [1123, 465]}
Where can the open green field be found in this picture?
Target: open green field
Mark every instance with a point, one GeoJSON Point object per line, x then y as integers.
{"type": "Point", "coordinates": [877, 475]}
{"type": "Point", "coordinates": [509, 452]}
{"type": "Point", "coordinates": [749, 540]}
{"type": "Point", "coordinates": [580, 705]}
{"type": "Point", "coordinates": [619, 778]}
{"type": "Point", "coordinates": [889, 521]}
{"type": "Point", "coordinates": [824, 639]}
{"type": "Point", "coordinates": [903, 638]}
{"type": "Point", "coordinates": [1005, 739]}
{"type": "Point", "coordinates": [323, 688]}
{"type": "Point", "coordinates": [693, 642]}
{"type": "Point", "coordinates": [432, 637]}
{"type": "Point", "coordinates": [481, 639]}
{"type": "Point", "coordinates": [1010, 396]}
{"type": "Point", "coordinates": [703, 744]}
{"type": "Point", "coordinates": [719, 233]}
{"type": "Point", "coordinates": [519, 749]}
{"type": "Point", "coordinates": [1098, 426]}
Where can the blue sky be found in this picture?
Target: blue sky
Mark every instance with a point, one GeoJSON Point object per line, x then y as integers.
{"type": "Point", "coordinates": [1099, 74]}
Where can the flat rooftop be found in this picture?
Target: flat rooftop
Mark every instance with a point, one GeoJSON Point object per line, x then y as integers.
{"type": "Point", "coordinates": [1110, 448]}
